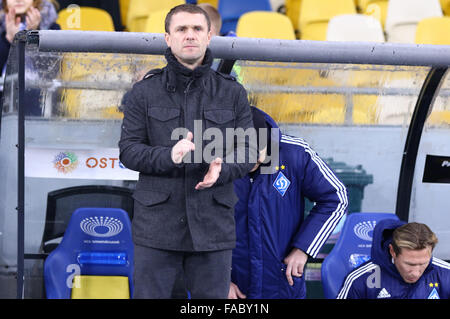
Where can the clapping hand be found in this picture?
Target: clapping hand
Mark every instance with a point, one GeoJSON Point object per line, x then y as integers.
{"type": "Point", "coordinates": [213, 174]}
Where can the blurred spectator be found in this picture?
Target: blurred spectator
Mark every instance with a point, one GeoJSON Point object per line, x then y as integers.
{"type": "Point", "coordinates": [24, 15]}
{"type": "Point", "coordinates": [110, 6]}
{"type": "Point", "coordinates": [214, 16]}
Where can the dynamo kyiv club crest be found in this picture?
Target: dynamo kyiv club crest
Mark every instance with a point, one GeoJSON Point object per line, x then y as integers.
{"type": "Point", "coordinates": [281, 183]}
{"type": "Point", "coordinates": [434, 294]}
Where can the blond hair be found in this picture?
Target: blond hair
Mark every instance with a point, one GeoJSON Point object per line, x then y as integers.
{"type": "Point", "coordinates": [415, 236]}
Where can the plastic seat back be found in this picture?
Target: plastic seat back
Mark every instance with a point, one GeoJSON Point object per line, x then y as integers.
{"type": "Point", "coordinates": [231, 10]}
{"type": "Point", "coordinates": [315, 15]}
{"type": "Point", "coordinates": [139, 10]}
{"type": "Point", "coordinates": [293, 13]}
{"type": "Point", "coordinates": [97, 243]}
{"type": "Point", "coordinates": [265, 24]}
{"type": "Point", "coordinates": [375, 8]}
{"type": "Point", "coordinates": [155, 22]}
{"type": "Point", "coordinates": [214, 3]}
{"type": "Point", "coordinates": [355, 27]}
{"type": "Point", "coordinates": [85, 19]}
{"type": "Point", "coordinates": [124, 5]}
{"type": "Point", "coordinates": [433, 31]}
{"type": "Point", "coordinates": [445, 4]}
{"type": "Point", "coordinates": [351, 250]}
{"type": "Point", "coordinates": [404, 15]}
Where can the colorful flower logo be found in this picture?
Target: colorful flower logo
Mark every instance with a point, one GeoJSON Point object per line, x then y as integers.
{"type": "Point", "coordinates": [65, 162]}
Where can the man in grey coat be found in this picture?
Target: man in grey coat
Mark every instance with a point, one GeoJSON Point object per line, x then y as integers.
{"type": "Point", "coordinates": [184, 205]}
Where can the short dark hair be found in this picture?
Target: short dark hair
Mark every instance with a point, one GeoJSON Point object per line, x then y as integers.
{"type": "Point", "coordinates": [190, 8]}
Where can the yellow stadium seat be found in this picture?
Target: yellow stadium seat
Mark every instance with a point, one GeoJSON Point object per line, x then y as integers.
{"type": "Point", "coordinates": [100, 287]}
{"type": "Point", "coordinates": [139, 10]}
{"type": "Point", "coordinates": [124, 5]}
{"type": "Point", "coordinates": [433, 31]}
{"type": "Point", "coordinates": [404, 15]}
{"type": "Point", "coordinates": [155, 22]}
{"type": "Point", "coordinates": [85, 19]}
{"type": "Point", "coordinates": [214, 3]}
{"type": "Point", "coordinates": [265, 24]}
{"type": "Point", "coordinates": [445, 4]}
{"type": "Point", "coordinates": [374, 8]}
{"type": "Point", "coordinates": [293, 13]}
{"type": "Point", "coordinates": [315, 14]}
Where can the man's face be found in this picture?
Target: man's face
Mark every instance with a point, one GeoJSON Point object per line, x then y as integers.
{"type": "Point", "coordinates": [411, 263]}
{"type": "Point", "coordinates": [188, 38]}
{"type": "Point", "coordinates": [21, 6]}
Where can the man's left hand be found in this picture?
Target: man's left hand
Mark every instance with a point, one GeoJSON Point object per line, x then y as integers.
{"type": "Point", "coordinates": [213, 174]}
{"type": "Point", "coordinates": [295, 262]}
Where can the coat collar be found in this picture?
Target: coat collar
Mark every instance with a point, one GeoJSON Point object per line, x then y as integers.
{"type": "Point", "coordinates": [181, 75]}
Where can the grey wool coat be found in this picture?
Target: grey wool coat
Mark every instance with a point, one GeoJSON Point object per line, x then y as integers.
{"type": "Point", "coordinates": [169, 213]}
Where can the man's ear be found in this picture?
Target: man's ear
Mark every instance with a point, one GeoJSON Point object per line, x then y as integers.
{"type": "Point", "coordinates": [391, 251]}
{"type": "Point", "coordinates": [167, 38]}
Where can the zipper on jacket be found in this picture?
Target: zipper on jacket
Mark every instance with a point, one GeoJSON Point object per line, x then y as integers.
{"type": "Point", "coordinates": [188, 86]}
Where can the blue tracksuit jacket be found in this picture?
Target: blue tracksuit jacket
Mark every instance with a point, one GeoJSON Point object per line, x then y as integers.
{"type": "Point", "coordinates": [270, 219]}
{"type": "Point", "coordinates": [362, 283]}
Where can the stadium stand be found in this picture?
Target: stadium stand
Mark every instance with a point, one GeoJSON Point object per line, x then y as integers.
{"type": "Point", "coordinates": [124, 6]}
{"type": "Point", "coordinates": [214, 3]}
{"type": "Point", "coordinates": [404, 15]}
{"type": "Point", "coordinates": [231, 10]}
{"type": "Point", "coordinates": [110, 6]}
{"type": "Point", "coordinates": [139, 10]}
{"type": "Point", "coordinates": [352, 249]}
{"type": "Point", "coordinates": [85, 265]}
{"type": "Point", "coordinates": [445, 4]}
{"type": "Point", "coordinates": [355, 27]}
{"type": "Point", "coordinates": [293, 12]}
{"type": "Point", "coordinates": [374, 8]}
{"type": "Point", "coordinates": [260, 24]}
{"type": "Point", "coordinates": [155, 21]}
{"type": "Point", "coordinates": [87, 19]}
{"type": "Point", "coordinates": [315, 14]}
{"type": "Point", "coordinates": [433, 31]}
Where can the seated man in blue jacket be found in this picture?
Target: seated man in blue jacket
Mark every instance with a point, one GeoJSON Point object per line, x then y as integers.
{"type": "Point", "coordinates": [401, 266]}
{"type": "Point", "coordinates": [274, 239]}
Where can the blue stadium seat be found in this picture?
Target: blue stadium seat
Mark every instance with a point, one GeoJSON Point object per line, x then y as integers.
{"type": "Point", "coordinates": [97, 244]}
{"type": "Point", "coordinates": [231, 10]}
{"type": "Point", "coordinates": [352, 249]}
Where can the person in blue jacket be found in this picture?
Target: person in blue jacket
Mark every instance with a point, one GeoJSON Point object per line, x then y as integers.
{"type": "Point", "coordinates": [401, 266]}
{"type": "Point", "coordinates": [274, 239]}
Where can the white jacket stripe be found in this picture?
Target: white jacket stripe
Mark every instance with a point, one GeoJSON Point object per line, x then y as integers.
{"type": "Point", "coordinates": [440, 263]}
{"type": "Point", "coordinates": [352, 277]}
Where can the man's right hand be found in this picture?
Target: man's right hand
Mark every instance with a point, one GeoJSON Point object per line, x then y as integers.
{"type": "Point", "coordinates": [235, 293]}
{"type": "Point", "coordinates": [183, 147]}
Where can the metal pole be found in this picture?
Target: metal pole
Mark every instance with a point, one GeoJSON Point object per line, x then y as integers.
{"type": "Point", "coordinates": [422, 110]}
{"type": "Point", "coordinates": [21, 39]}
{"type": "Point", "coordinates": [235, 48]}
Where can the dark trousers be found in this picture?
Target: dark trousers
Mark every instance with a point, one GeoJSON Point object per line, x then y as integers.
{"type": "Point", "coordinates": [206, 275]}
